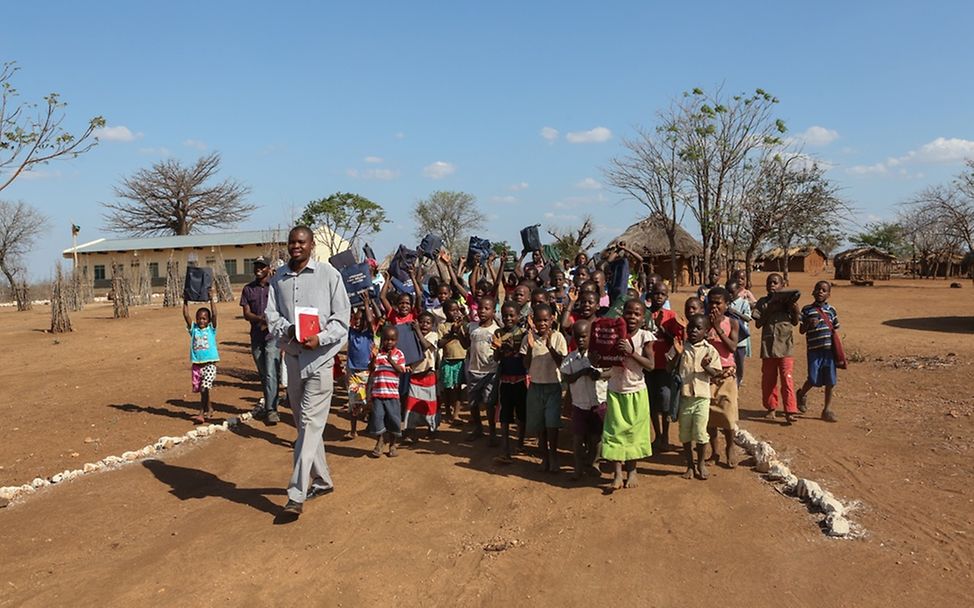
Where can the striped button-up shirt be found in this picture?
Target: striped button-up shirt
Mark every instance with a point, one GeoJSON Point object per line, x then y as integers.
{"type": "Point", "coordinates": [317, 285]}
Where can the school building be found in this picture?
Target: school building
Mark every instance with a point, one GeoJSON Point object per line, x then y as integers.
{"type": "Point", "coordinates": [235, 250]}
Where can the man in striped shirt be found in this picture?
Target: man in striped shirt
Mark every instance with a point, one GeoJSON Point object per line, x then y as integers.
{"type": "Point", "coordinates": [388, 365]}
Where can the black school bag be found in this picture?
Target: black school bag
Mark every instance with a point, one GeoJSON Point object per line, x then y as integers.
{"type": "Point", "coordinates": [478, 245]}
{"type": "Point", "coordinates": [342, 259]}
{"type": "Point", "coordinates": [531, 238]}
{"type": "Point", "coordinates": [402, 262]}
{"type": "Point", "coordinates": [199, 280]}
{"type": "Point", "coordinates": [430, 246]}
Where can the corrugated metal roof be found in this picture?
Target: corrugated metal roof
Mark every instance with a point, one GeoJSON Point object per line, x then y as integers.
{"type": "Point", "coordinates": [217, 239]}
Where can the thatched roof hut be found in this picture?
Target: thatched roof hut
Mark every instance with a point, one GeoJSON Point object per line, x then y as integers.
{"type": "Point", "coordinates": [648, 239]}
{"type": "Point", "coordinates": [800, 259]}
{"type": "Point", "coordinates": [863, 264]}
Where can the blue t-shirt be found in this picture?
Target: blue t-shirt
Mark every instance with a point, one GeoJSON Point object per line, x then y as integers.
{"type": "Point", "coordinates": [359, 349]}
{"type": "Point", "coordinates": [202, 344]}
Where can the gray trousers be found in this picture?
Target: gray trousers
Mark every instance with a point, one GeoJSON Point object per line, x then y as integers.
{"type": "Point", "coordinates": [310, 400]}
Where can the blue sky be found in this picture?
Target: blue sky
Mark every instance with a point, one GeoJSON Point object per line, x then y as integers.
{"type": "Point", "coordinates": [396, 100]}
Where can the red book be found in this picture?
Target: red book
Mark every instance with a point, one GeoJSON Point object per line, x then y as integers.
{"type": "Point", "coordinates": [307, 323]}
{"type": "Point", "coordinates": [605, 337]}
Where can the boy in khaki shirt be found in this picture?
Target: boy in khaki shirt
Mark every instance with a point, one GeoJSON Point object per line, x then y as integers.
{"type": "Point", "coordinates": [695, 361]}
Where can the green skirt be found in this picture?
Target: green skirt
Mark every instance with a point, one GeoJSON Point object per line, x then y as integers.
{"type": "Point", "coordinates": [625, 435]}
{"type": "Point", "coordinates": [451, 373]}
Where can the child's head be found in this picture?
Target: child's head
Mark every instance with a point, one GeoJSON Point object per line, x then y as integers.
{"type": "Point", "coordinates": [652, 280]}
{"type": "Point", "coordinates": [482, 288]}
{"type": "Point", "coordinates": [718, 298]}
{"type": "Point", "coordinates": [425, 322]}
{"type": "Point", "coordinates": [202, 317]}
{"type": "Point", "coordinates": [733, 287]}
{"type": "Point", "coordinates": [581, 275]}
{"type": "Point", "coordinates": [658, 294]}
{"type": "Point", "coordinates": [485, 309]}
{"type": "Point", "coordinates": [357, 317]}
{"type": "Point", "coordinates": [775, 282]}
{"type": "Point", "coordinates": [581, 330]}
{"type": "Point", "coordinates": [591, 286]}
{"type": "Point", "coordinates": [390, 336]}
{"type": "Point", "coordinates": [531, 271]}
{"type": "Point", "coordinates": [588, 303]}
{"type": "Point", "coordinates": [714, 277]}
{"type": "Point", "coordinates": [452, 311]}
{"type": "Point", "coordinates": [539, 296]}
{"type": "Point", "coordinates": [822, 291]}
{"type": "Point", "coordinates": [741, 275]}
{"type": "Point", "coordinates": [443, 292]}
{"type": "Point", "coordinates": [404, 303]}
{"type": "Point", "coordinates": [557, 278]}
{"type": "Point", "coordinates": [510, 315]}
{"type": "Point", "coordinates": [693, 306]}
{"type": "Point", "coordinates": [697, 327]}
{"type": "Point", "coordinates": [633, 314]}
{"type": "Point", "coordinates": [537, 259]}
{"type": "Point", "coordinates": [522, 293]}
{"type": "Point", "coordinates": [581, 259]}
{"type": "Point", "coordinates": [599, 277]}
{"type": "Point", "coordinates": [632, 292]}
{"type": "Point", "coordinates": [542, 318]}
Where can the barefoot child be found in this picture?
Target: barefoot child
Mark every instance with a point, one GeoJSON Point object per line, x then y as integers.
{"type": "Point", "coordinates": [723, 404]}
{"type": "Point", "coordinates": [361, 342]}
{"type": "Point", "coordinates": [203, 355]}
{"type": "Point", "coordinates": [513, 389]}
{"type": "Point", "coordinates": [776, 318]}
{"type": "Point", "coordinates": [696, 361]}
{"type": "Point", "coordinates": [481, 369]}
{"type": "Point", "coordinates": [450, 340]}
{"type": "Point", "coordinates": [665, 327]}
{"type": "Point", "coordinates": [819, 320]}
{"type": "Point", "coordinates": [388, 366]}
{"type": "Point", "coordinates": [588, 396]}
{"type": "Point", "coordinates": [625, 435]}
{"type": "Point", "coordinates": [421, 404]}
{"type": "Point", "coordinates": [544, 349]}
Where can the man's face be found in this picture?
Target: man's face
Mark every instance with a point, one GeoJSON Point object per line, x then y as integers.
{"type": "Point", "coordinates": [300, 244]}
{"type": "Point", "coordinates": [261, 271]}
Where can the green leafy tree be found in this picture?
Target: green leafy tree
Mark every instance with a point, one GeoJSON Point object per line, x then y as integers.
{"type": "Point", "coordinates": [31, 133]}
{"type": "Point", "coordinates": [452, 215]}
{"type": "Point", "coordinates": [888, 236]}
{"type": "Point", "coordinates": [347, 218]}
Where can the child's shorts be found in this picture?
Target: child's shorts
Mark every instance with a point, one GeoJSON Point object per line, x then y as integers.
{"type": "Point", "coordinates": [481, 388]}
{"type": "Point", "coordinates": [513, 397]}
{"type": "Point", "coordinates": [821, 367]}
{"type": "Point", "coordinates": [543, 407]}
{"type": "Point", "coordinates": [357, 382]}
{"type": "Point", "coordinates": [386, 417]}
{"type": "Point", "coordinates": [694, 418]}
{"type": "Point", "coordinates": [451, 373]}
{"type": "Point", "coordinates": [586, 422]}
{"type": "Point", "coordinates": [203, 376]}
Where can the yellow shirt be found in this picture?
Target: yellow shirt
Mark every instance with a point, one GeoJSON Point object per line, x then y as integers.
{"type": "Point", "coordinates": [696, 376]}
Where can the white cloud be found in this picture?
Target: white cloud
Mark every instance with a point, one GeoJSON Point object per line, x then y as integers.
{"type": "Point", "coordinates": [508, 199]}
{"type": "Point", "coordinates": [560, 217]}
{"type": "Point", "coordinates": [518, 187]}
{"type": "Point", "coordinates": [439, 170]}
{"type": "Point", "coordinates": [574, 202]}
{"type": "Point", "coordinates": [940, 151]}
{"type": "Point", "coordinates": [373, 160]}
{"type": "Point", "coordinates": [36, 174]}
{"type": "Point", "coordinates": [382, 175]}
{"type": "Point", "coordinates": [818, 136]}
{"type": "Point", "coordinates": [195, 143]}
{"type": "Point", "coordinates": [588, 184]}
{"type": "Point", "coordinates": [119, 133]}
{"type": "Point", "coordinates": [161, 151]}
{"type": "Point", "coordinates": [592, 136]}
{"type": "Point", "coordinates": [549, 133]}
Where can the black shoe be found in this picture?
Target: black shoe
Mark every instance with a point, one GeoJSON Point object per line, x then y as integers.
{"type": "Point", "coordinates": [293, 507]}
{"type": "Point", "coordinates": [316, 492]}
{"type": "Point", "coordinates": [258, 413]}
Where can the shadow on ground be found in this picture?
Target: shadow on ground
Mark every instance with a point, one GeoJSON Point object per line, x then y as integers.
{"type": "Point", "coordinates": [951, 325]}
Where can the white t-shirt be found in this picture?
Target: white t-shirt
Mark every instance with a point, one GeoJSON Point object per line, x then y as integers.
{"type": "Point", "coordinates": [586, 392]}
{"type": "Point", "coordinates": [480, 355]}
{"type": "Point", "coordinates": [628, 377]}
{"type": "Point", "coordinates": [543, 369]}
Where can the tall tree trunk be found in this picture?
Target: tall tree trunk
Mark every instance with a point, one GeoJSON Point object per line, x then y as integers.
{"type": "Point", "coordinates": [787, 262]}
{"type": "Point", "coordinates": [671, 236]}
{"type": "Point", "coordinates": [749, 263]}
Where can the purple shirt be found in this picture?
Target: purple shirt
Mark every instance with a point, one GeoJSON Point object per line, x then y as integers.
{"type": "Point", "coordinates": [254, 295]}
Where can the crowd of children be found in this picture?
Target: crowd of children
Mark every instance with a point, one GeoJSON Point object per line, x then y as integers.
{"type": "Point", "coordinates": [524, 346]}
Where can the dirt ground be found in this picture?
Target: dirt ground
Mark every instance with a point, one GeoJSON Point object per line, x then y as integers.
{"type": "Point", "coordinates": [443, 524]}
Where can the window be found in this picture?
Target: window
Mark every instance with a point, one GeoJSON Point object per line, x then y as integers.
{"type": "Point", "coordinates": [99, 272]}
{"type": "Point", "coordinates": [249, 266]}
{"type": "Point", "coordinates": [154, 270]}
{"type": "Point", "coordinates": [210, 260]}
{"type": "Point", "coordinates": [231, 267]}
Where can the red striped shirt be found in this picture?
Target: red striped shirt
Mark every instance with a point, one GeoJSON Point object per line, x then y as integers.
{"type": "Point", "coordinates": [385, 379]}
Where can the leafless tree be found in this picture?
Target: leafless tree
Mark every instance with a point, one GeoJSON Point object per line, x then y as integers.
{"type": "Point", "coordinates": [170, 198]}
{"type": "Point", "coordinates": [571, 241]}
{"type": "Point", "coordinates": [941, 221]}
{"type": "Point", "coordinates": [20, 225]}
{"type": "Point", "coordinates": [653, 173]}
{"type": "Point", "coordinates": [31, 133]}
{"type": "Point", "coordinates": [60, 321]}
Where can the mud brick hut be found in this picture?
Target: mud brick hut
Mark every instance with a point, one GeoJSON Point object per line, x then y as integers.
{"type": "Point", "coordinates": [648, 239]}
{"type": "Point", "coordinates": [811, 260]}
{"type": "Point", "coordinates": [863, 264]}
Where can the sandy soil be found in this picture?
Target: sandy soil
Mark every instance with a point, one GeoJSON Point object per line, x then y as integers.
{"type": "Point", "coordinates": [442, 524]}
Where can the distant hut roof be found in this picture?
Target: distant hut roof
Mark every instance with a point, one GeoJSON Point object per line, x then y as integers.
{"type": "Point", "coordinates": [860, 251]}
{"type": "Point", "coordinates": [648, 238]}
{"type": "Point", "coordinates": [793, 252]}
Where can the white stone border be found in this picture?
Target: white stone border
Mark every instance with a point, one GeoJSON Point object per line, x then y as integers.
{"type": "Point", "coordinates": [766, 458]}
{"type": "Point", "coordinates": [13, 493]}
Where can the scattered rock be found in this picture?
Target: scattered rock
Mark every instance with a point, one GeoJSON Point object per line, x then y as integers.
{"type": "Point", "coordinates": [130, 456]}
{"type": "Point", "coordinates": [40, 482]}
{"type": "Point", "coordinates": [837, 525]}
